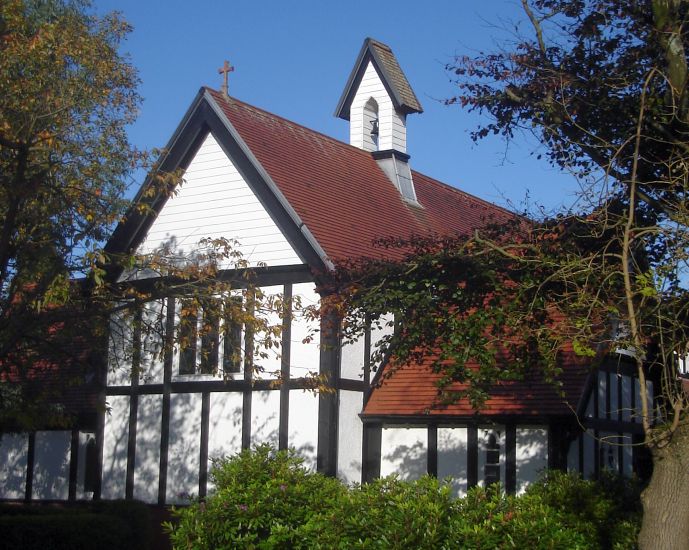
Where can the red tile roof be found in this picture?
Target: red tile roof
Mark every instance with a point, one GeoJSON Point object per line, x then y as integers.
{"type": "Point", "coordinates": [347, 202]}
{"type": "Point", "coordinates": [413, 391]}
{"type": "Point", "coordinates": [341, 194]}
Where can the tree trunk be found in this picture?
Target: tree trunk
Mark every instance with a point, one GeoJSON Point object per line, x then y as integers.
{"type": "Point", "coordinates": [665, 523]}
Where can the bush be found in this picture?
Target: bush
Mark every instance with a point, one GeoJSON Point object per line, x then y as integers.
{"type": "Point", "coordinates": [610, 507]}
{"type": "Point", "coordinates": [487, 518]}
{"type": "Point", "coordinates": [387, 513]}
{"type": "Point", "coordinates": [260, 497]}
{"type": "Point", "coordinates": [120, 525]}
{"type": "Point", "coordinates": [267, 499]}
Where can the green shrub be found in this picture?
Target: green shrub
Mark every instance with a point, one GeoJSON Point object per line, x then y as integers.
{"type": "Point", "coordinates": [260, 498]}
{"type": "Point", "coordinates": [610, 507]}
{"type": "Point", "coordinates": [266, 499]}
{"type": "Point", "coordinates": [487, 518]}
{"type": "Point", "coordinates": [387, 513]}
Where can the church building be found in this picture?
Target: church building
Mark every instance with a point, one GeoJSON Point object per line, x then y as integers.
{"type": "Point", "coordinates": [297, 202]}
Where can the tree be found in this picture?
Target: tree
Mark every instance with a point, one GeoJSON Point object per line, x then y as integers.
{"type": "Point", "coordinates": [603, 86]}
{"type": "Point", "coordinates": [66, 98]}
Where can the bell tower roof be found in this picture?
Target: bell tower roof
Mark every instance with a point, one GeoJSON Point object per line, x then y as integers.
{"type": "Point", "coordinates": [396, 84]}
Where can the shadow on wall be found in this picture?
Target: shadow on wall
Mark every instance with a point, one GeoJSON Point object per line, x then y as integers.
{"type": "Point", "coordinates": [184, 446]}
{"type": "Point", "coordinates": [146, 474]}
{"type": "Point", "coordinates": [409, 459]}
{"type": "Point", "coordinates": [51, 465]}
{"type": "Point", "coordinates": [13, 454]}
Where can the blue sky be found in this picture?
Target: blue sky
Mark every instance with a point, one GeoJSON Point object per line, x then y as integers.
{"type": "Point", "coordinates": [293, 58]}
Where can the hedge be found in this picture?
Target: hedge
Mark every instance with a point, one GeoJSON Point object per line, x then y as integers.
{"type": "Point", "coordinates": [117, 525]}
{"type": "Point", "coordinates": [267, 499]}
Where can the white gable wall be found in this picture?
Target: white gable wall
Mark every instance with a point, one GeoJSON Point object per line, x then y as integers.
{"type": "Point", "coordinates": [216, 202]}
{"type": "Point", "coordinates": [393, 129]}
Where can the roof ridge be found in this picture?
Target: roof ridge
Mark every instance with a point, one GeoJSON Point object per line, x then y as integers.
{"type": "Point", "coordinates": [357, 149]}
{"type": "Point", "coordinates": [290, 122]}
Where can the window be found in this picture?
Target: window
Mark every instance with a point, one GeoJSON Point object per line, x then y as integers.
{"type": "Point", "coordinates": [491, 470]}
{"type": "Point", "coordinates": [188, 328]}
{"type": "Point", "coordinates": [202, 351]}
{"type": "Point", "coordinates": [232, 338]}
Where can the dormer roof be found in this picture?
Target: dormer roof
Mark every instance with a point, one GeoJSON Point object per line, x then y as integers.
{"type": "Point", "coordinates": [403, 97]}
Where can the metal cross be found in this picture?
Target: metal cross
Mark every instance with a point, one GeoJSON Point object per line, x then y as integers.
{"type": "Point", "coordinates": [225, 70]}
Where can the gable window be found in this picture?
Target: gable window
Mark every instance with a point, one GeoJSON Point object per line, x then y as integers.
{"type": "Point", "coordinates": [371, 125]}
{"type": "Point", "coordinates": [210, 337]}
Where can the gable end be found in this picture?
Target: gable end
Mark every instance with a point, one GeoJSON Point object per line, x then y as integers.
{"type": "Point", "coordinates": [205, 117]}
{"type": "Point", "coordinates": [390, 73]}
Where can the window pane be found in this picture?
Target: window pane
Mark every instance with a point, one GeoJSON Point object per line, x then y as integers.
{"type": "Point", "coordinates": [232, 338]}
{"type": "Point", "coordinates": [187, 337]}
{"type": "Point", "coordinates": [209, 337]}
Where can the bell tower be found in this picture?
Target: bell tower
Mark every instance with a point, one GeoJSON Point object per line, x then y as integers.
{"type": "Point", "coordinates": [376, 102]}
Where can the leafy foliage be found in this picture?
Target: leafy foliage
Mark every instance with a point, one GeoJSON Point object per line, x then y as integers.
{"type": "Point", "coordinates": [603, 87]}
{"type": "Point", "coordinates": [265, 499]}
{"type": "Point", "coordinates": [66, 97]}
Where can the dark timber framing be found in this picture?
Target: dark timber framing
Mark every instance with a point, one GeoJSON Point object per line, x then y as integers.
{"type": "Point", "coordinates": [73, 463]}
{"type": "Point", "coordinates": [133, 405]}
{"type": "Point", "coordinates": [167, 383]}
{"type": "Point", "coordinates": [328, 418]}
{"type": "Point", "coordinates": [286, 349]}
{"type": "Point", "coordinates": [203, 450]}
{"type": "Point", "coordinates": [30, 463]}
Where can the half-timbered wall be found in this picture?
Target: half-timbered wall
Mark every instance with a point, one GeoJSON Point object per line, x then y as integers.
{"type": "Point", "coordinates": [514, 455]}
{"type": "Point", "coordinates": [46, 465]}
{"type": "Point", "coordinates": [163, 430]}
{"type": "Point", "coordinates": [612, 420]}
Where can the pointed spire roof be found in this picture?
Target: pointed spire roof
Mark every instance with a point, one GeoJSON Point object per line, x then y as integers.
{"type": "Point", "coordinates": [385, 63]}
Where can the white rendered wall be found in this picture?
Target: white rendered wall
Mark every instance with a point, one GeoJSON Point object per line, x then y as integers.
{"type": "Point", "coordinates": [452, 458]}
{"type": "Point", "coordinates": [51, 465]}
{"type": "Point", "coordinates": [224, 427]}
{"type": "Point", "coordinates": [213, 202]}
{"type": "Point", "coordinates": [627, 388]}
{"type": "Point", "coordinates": [352, 359]}
{"type": "Point", "coordinates": [120, 350]}
{"type": "Point", "coordinates": [14, 452]}
{"type": "Point", "coordinates": [154, 317]}
{"type": "Point", "coordinates": [349, 436]}
{"type": "Point", "coordinates": [147, 463]}
{"type": "Point", "coordinates": [115, 437]}
{"type": "Point", "coordinates": [531, 455]}
{"type": "Point", "coordinates": [303, 425]}
{"type": "Point", "coordinates": [483, 434]}
{"type": "Point", "coordinates": [627, 458]}
{"type": "Point", "coordinates": [304, 356]}
{"type": "Point", "coordinates": [393, 132]}
{"type": "Point", "coordinates": [265, 417]}
{"type": "Point", "coordinates": [184, 447]}
{"type": "Point", "coordinates": [225, 424]}
{"type": "Point", "coordinates": [404, 452]}
{"type": "Point", "coordinates": [267, 367]}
